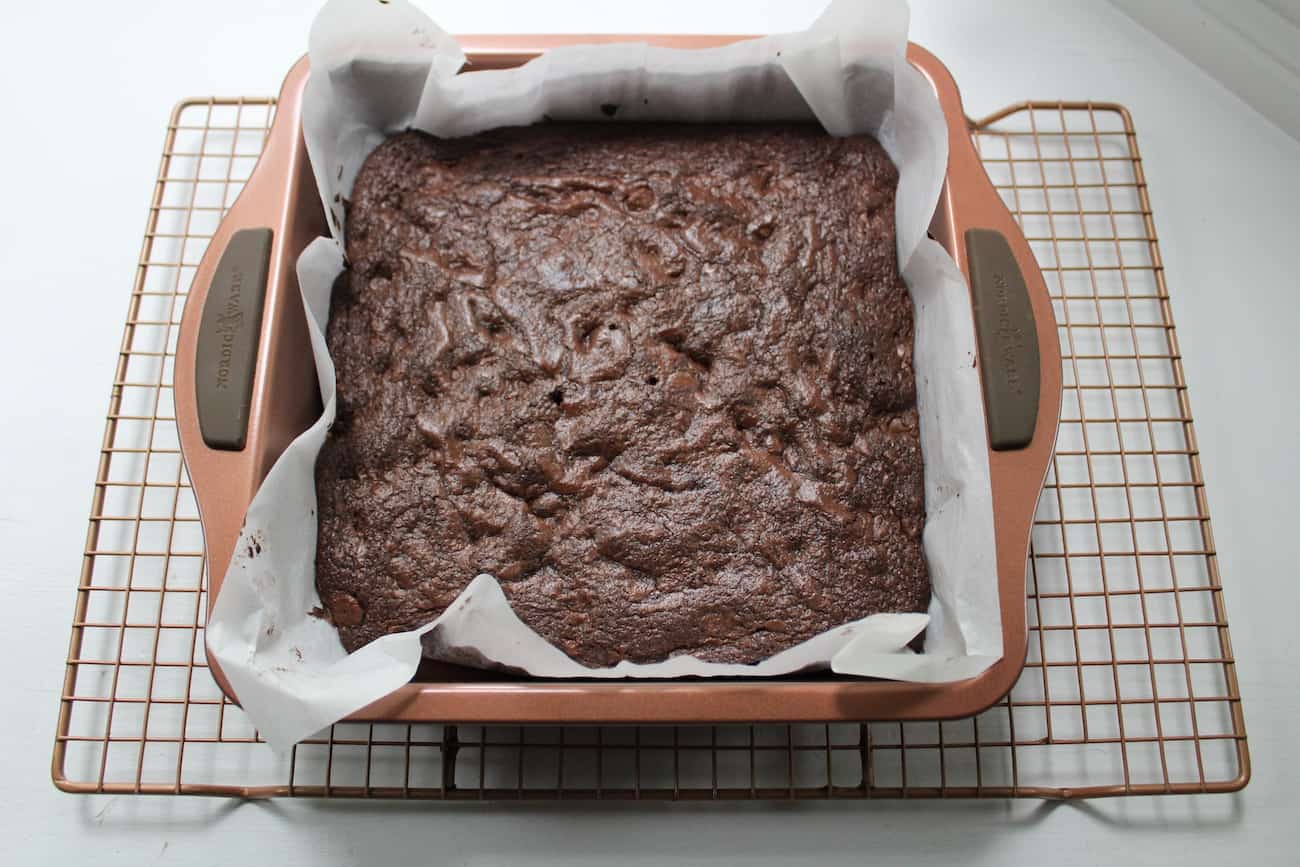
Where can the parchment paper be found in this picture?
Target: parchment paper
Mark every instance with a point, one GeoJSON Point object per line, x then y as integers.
{"type": "Point", "coordinates": [380, 67]}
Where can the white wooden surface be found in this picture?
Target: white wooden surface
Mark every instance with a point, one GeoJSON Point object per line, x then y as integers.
{"type": "Point", "coordinates": [85, 90]}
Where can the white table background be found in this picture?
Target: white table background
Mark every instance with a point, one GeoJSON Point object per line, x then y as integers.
{"type": "Point", "coordinates": [85, 92]}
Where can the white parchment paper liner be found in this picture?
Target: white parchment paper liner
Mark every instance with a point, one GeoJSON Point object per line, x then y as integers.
{"type": "Point", "coordinates": [378, 68]}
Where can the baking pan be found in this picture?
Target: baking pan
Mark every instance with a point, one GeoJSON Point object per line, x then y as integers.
{"type": "Point", "coordinates": [246, 386]}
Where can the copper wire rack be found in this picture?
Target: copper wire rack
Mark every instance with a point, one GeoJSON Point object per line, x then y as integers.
{"type": "Point", "coordinates": [1130, 686]}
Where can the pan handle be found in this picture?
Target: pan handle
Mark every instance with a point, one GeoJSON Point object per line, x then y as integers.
{"type": "Point", "coordinates": [1007, 339]}
{"type": "Point", "coordinates": [226, 347]}
{"type": "Point", "coordinates": [243, 346]}
{"type": "Point", "coordinates": [243, 335]}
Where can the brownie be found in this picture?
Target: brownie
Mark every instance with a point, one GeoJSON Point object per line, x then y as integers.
{"type": "Point", "coordinates": [656, 378]}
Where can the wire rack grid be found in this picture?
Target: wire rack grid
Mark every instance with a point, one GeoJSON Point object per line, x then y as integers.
{"type": "Point", "coordinates": [1130, 686]}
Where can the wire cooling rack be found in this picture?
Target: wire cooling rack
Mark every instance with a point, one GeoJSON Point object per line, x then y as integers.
{"type": "Point", "coordinates": [1130, 686]}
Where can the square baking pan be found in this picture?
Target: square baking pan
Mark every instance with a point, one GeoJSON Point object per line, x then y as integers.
{"type": "Point", "coordinates": [246, 387]}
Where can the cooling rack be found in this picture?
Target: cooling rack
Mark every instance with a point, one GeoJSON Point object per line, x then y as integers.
{"type": "Point", "coordinates": [1130, 686]}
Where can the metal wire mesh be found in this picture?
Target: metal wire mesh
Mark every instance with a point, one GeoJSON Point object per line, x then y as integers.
{"type": "Point", "coordinates": [1130, 684]}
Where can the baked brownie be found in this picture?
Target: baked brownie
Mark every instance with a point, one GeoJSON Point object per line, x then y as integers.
{"type": "Point", "coordinates": [657, 379]}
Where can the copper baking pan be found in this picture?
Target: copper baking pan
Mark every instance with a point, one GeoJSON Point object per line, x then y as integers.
{"type": "Point", "coordinates": [1022, 399]}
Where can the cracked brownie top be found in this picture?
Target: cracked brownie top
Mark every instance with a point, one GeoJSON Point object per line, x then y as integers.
{"type": "Point", "coordinates": [657, 379]}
